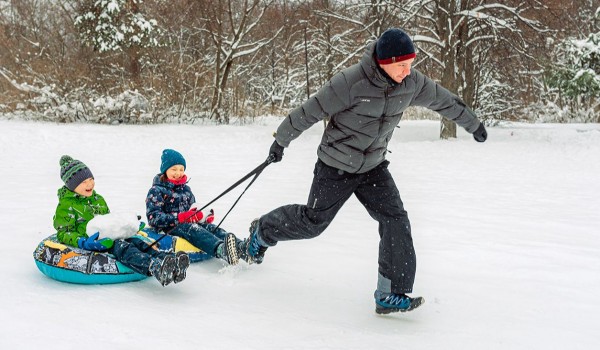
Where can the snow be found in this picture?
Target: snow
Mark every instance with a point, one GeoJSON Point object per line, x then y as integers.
{"type": "Point", "coordinates": [121, 224]}
{"type": "Point", "coordinates": [506, 234]}
{"type": "Point", "coordinates": [111, 6]}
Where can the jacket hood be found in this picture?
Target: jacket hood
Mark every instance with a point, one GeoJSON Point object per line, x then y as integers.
{"type": "Point", "coordinates": [157, 182]}
{"type": "Point", "coordinates": [372, 70]}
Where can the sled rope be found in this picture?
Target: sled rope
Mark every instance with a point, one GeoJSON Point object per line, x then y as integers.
{"type": "Point", "coordinates": [259, 169]}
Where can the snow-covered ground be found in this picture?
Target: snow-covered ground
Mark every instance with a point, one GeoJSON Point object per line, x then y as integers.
{"type": "Point", "coordinates": [507, 235]}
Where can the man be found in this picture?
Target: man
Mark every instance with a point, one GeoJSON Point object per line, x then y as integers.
{"type": "Point", "coordinates": [364, 103]}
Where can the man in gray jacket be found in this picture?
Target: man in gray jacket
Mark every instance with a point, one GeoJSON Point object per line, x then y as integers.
{"type": "Point", "coordinates": [364, 102]}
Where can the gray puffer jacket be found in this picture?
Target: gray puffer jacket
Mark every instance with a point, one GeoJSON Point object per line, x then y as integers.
{"type": "Point", "coordinates": [364, 107]}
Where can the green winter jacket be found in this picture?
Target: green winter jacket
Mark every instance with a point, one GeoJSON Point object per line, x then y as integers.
{"type": "Point", "coordinates": [74, 212]}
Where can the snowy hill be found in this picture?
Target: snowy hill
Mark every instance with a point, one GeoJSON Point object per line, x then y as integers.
{"type": "Point", "coordinates": [506, 234]}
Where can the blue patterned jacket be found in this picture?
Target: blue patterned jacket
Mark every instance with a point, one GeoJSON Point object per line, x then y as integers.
{"type": "Point", "coordinates": [164, 201]}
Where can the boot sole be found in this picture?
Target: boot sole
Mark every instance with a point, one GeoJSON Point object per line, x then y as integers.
{"type": "Point", "coordinates": [166, 270]}
{"type": "Point", "coordinates": [183, 262]}
{"type": "Point", "coordinates": [415, 303]}
{"type": "Point", "coordinates": [232, 255]}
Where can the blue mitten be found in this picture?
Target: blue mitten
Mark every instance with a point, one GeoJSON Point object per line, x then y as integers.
{"type": "Point", "coordinates": [93, 243]}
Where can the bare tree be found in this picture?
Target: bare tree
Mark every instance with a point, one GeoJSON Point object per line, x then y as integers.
{"type": "Point", "coordinates": [461, 33]}
{"type": "Point", "coordinates": [229, 24]}
{"type": "Point", "coordinates": [235, 57]}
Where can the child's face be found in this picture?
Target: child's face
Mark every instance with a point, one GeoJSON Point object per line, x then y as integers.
{"type": "Point", "coordinates": [86, 188]}
{"type": "Point", "coordinates": [175, 172]}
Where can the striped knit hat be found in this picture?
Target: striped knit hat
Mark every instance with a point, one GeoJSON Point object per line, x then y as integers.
{"type": "Point", "coordinates": [73, 172]}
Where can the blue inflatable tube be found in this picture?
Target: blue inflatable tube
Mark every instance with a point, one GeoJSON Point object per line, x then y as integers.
{"type": "Point", "coordinates": [79, 277]}
{"type": "Point", "coordinates": [74, 265]}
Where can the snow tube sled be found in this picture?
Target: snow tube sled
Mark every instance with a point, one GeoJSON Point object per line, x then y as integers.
{"type": "Point", "coordinates": [74, 265]}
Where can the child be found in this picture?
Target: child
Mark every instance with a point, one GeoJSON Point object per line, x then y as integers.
{"type": "Point", "coordinates": [78, 203]}
{"type": "Point", "coordinates": [169, 209]}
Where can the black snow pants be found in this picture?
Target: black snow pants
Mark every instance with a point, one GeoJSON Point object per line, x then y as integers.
{"type": "Point", "coordinates": [377, 192]}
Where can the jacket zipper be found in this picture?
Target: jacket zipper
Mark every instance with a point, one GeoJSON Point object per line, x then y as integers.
{"type": "Point", "coordinates": [385, 104]}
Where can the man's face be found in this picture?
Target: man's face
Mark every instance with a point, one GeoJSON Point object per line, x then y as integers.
{"type": "Point", "coordinates": [86, 188]}
{"type": "Point", "coordinates": [398, 70]}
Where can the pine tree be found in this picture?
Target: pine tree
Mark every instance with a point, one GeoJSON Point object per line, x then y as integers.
{"type": "Point", "coordinates": [118, 25]}
{"type": "Point", "coordinates": [111, 25]}
{"type": "Point", "coordinates": [576, 74]}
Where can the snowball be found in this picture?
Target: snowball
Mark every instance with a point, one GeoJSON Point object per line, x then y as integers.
{"type": "Point", "coordinates": [114, 225]}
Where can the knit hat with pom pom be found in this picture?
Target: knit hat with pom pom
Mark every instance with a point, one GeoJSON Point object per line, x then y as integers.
{"type": "Point", "coordinates": [73, 172]}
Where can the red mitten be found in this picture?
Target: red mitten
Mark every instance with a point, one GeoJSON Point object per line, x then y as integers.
{"type": "Point", "coordinates": [210, 217]}
{"type": "Point", "coordinates": [196, 217]}
{"type": "Point", "coordinates": [190, 216]}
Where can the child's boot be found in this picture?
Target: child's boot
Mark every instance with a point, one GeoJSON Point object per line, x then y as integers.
{"type": "Point", "coordinates": [228, 250]}
{"type": "Point", "coordinates": [163, 269]}
{"type": "Point", "coordinates": [182, 262]}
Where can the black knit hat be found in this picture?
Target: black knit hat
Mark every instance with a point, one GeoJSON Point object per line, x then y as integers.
{"type": "Point", "coordinates": [73, 172]}
{"type": "Point", "coordinates": [394, 45]}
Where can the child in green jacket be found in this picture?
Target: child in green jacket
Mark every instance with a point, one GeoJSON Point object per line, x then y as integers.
{"type": "Point", "coordinates": [78, 203]}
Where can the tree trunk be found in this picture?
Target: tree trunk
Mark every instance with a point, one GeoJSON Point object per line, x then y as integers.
{"type": "Point", "coordinates": [445, 10]}
{"type": "Point", "coordinates": [215, 101]}
{"type": "Point", "coordinates": [133, 53]}
{"type": "Point", "coordinates": [222, 89]}
{"type": "Point", "coordinates": [134, 67]}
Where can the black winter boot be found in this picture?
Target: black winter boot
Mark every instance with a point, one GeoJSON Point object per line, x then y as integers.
{"type": "Point", "coordinates": [255, 248]}
{"type": "Point", "coordinates": [163, 269]}
{"type": "Point", "coordinates": [182, 263]}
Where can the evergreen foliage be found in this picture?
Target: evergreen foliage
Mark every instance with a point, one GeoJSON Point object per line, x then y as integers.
{"type": "Point", "coordinates": [113, 25]}
{"type": "Point", "coordinates": [576, 72]}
